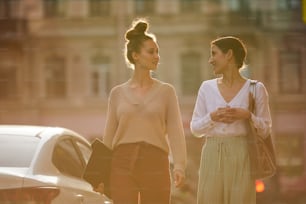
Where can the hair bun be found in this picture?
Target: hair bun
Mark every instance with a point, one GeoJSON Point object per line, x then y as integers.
{"type": "Point", "coordinates": [139, 30]}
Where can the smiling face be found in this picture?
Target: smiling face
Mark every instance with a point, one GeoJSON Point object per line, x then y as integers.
{"type": "Point", "coordinates": [148, 56]}
{"type": "Point", "coordinates": [218, 59]}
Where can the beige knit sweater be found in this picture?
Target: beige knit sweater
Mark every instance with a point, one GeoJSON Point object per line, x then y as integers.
{"type": "Point", "coordinates": [154, 118]}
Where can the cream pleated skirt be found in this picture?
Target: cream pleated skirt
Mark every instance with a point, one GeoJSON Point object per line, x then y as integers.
{"type": "Point", "coordinates": [224, 174]}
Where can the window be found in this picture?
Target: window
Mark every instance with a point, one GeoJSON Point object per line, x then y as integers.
{"type": "Point", "coordinates": [67, 160]}
{"type": "Point", "coordinates": [144, 6]}
{"type": "Point", "coordinates": [85, 150]}
{"type": "Point", "coordinates": [55, 77]}
{"type": "Point", "coordinates": [52, 8]}
{"type": "Point", "coordinates": [190, 5]}
{"type": "Point", "coordinates": [212, 1]}
{"type": "Point", "coordinates": [100, 76]}
{"type": "Point", "coordinates": [239, 5]}
{"type": "Point", "coordinates": [8, 82]}
{"type": "Point", "coordinates": [288, 4]}
{"type": "Point", "coordinates": [99, 8]}
{"type": "Point", "coordinates": [290, 80]}
{"type": "Point", "coordinates": [190, 73]}
{"type": "Point", "coordinates": [290, 153]}
{"type": "Point", "coordinates": [4, 9]}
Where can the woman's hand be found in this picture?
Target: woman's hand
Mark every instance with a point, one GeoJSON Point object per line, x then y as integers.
{"type": "Point", "coordinates": [100, 188]}
{"type": "Point", "coordinates": [179, 178]}
{"type": "Point", "coordinates": [230, 115]}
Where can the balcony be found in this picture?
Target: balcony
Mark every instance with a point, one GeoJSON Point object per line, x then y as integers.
{"type": "Point", "coordinates": [13, 29]}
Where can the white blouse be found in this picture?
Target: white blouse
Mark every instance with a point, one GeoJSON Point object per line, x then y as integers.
{"type": "Point", "coordinates": [210, 99]}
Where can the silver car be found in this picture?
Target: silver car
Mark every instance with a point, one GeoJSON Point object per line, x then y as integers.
{"type": "Point", "coordinates": [44, 165]}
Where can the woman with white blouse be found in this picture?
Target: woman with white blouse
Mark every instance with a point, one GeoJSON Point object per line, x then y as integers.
{"type": "Point", "coordinates": [221, 114]}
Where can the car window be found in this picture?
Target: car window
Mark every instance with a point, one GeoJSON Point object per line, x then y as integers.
{"type": "Point", "coordinates": [17, 150]}
{"type": "Point", "coordinates": [85, 150]}
{"type": "Point", "coordinates": [66, 158]}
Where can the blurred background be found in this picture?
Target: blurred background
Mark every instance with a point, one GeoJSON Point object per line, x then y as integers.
{"type": "Point", "coordinates": [60, 58]}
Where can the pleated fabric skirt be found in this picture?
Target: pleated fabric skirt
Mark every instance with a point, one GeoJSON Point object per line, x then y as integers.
{"type": "Point", "coordinates": [224, 174]}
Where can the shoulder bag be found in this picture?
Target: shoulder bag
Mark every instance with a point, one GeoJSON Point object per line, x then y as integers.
{"type": "Point", "coordinates": [261, 150]}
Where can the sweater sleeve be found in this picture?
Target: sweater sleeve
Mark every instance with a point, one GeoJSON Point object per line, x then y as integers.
{"type": "Point", "coordinates": [261, 119]}
{"type": "Point", "coordinates": [201, 121]}
{"type": "Point", "coordinates": [111, 121]}
{"type": "Point", "coordinates": [175, 131]}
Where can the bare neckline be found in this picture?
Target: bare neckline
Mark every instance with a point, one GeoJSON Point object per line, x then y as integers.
{"type": "Point", "coordinates": [235, 96]}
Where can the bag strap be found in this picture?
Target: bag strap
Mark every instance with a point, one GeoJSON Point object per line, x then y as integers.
{"type": "Point", "coordinates": [252, 96]}
{"type": "Point", "coordinates": [252, 87]}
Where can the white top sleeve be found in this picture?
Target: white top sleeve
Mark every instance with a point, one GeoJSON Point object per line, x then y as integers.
{"type": "Point", "coordinates": [201, 121]}
{"type": "Point", "coordinates": [261, 119]}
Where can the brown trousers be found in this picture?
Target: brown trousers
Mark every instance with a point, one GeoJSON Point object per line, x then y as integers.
{"type": "Point", "coordinates": [140, 172]}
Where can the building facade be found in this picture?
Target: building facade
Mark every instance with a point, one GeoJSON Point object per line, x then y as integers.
{"type": "Point", "coordinates": [60, 71]}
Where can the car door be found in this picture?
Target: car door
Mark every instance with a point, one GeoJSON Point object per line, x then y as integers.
{"type": "Point", "coordinates": [70, 161]}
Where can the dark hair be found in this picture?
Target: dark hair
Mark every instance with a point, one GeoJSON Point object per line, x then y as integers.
{"type": "Point", "coordinates": [135, 37]}
{"type": "Point", "coordinates": [232, 43]}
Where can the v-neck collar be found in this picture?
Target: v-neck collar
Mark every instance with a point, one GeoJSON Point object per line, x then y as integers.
{"type": "Point", "coordinates": [238, 93]}
{"type": "Point", "coordinates": [135, 99]}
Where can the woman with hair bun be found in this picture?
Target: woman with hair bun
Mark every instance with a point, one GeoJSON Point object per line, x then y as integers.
{"type": "Point", "coordinates": [221, 114]}
{"type": "Point", "coordinates": [143, 125]}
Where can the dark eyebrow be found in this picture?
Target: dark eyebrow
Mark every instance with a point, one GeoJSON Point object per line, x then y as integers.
{"type": "Point", "coordinates": [153, 49]}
